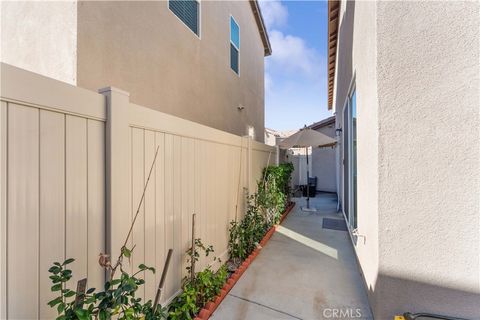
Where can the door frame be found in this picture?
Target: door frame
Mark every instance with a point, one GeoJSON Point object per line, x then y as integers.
{"type": "Point", "coordinates": [348, 206]}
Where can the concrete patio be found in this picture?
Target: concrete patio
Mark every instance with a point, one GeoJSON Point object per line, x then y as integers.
{"type": "Point", "coordinates": [304, 272]}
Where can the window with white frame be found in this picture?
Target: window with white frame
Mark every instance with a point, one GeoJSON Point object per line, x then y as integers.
{"type": "Point", "coordinates": [188, 11]}
{"type": "Point", "coordinates": [234, 46]}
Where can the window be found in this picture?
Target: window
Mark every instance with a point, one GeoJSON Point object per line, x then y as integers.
{"type": "Point", "coordinates": [234, 46]}
{"type": "Point", "coordinates": [188, 11]}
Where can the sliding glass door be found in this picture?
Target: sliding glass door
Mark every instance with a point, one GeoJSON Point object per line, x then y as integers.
{"type": "Point", "coordinates": [345, 162]}
{"type": "Point", "coordinates": [353, 146]}
{"type": "Point", "coordinates": [349, 152]}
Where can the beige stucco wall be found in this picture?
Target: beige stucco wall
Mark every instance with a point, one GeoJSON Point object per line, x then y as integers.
{"type": "Point", "coordinates": [323, 163]}
{"type": "Point", "coordinates": [356, 58]}
{"type": "Point", "coordinates": [144, 48]}
{"type": "Point", "coordinates": [429, 157]}
{"type": "Point", "coordinates": [41, 37]}
{"type": "Point", "coordinates": [416, 69]}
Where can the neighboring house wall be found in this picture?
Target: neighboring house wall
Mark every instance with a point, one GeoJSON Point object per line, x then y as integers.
{"type": "Point", "coordinates": [40, 37]}
{"type": "Point", "coordinates": [324, 163]}
{"type": "Point", "coordinates": [145, 49]}
{"type": "Point", "coordinates": [416, 71]}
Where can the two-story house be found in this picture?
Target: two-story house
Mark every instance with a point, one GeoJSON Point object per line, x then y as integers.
{"type": "Point", "coordinates": [198, 60]}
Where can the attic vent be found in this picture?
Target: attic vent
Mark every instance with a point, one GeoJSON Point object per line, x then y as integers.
{"type": "Point", "coordinates": [187, 11]}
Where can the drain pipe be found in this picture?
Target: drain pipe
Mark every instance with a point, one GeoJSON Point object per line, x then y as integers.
{"type": "Point", "coordinates": [414, 316]}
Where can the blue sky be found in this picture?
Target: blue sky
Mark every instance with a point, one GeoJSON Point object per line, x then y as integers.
{"type": "Point", "coordinates": [296, 73]}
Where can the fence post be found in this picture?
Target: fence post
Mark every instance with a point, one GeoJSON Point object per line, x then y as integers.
{"type": "Point", "coordinates": [3, 210]}
{"type": "Point", "coordinates": [249, 165]}
{"type": "Point", "coordinates": [117, 166]}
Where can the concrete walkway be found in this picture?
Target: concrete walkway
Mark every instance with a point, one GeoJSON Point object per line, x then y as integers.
{"type": "Point", "coordinates": [304, 272]}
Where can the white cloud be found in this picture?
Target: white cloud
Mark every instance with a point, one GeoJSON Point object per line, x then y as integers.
{"type": "Point", "coordinates": [268, 82]}
{"type": "Point", "coordinates": [275, 14]}
{"type": "Point", "coordinates": [292, 54]}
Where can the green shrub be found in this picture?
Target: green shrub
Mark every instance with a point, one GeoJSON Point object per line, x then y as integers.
{"type": "Point", "coordinates": [282, 174]}
{"type": "Point", "coordinates": [270, 200]}
{"type": "Point", "coordinates": [184, 306]}
{"type": "Point", "coordinates": [264, 209]}
{"type": "Point", "coordinates": [117, 300]}
{"type": "Point", "coordinates": [208, 284]}
{"type": "Point", "coordinates": [244, 236]}
{"type": "Point", "coordinates": [199, 289]}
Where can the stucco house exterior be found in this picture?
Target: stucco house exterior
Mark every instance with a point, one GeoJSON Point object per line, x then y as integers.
{"type": "Point", "coordinates": [198, 60]}
{"type": "Point", "coordinates": [404, 81]}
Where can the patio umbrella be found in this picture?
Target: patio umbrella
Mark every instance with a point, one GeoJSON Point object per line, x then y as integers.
{"type": "Point", "coordinates": [305, 138]}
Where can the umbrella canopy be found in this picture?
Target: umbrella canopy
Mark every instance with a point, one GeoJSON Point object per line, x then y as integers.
{"type": "Point", "coordinates": [307, 137]}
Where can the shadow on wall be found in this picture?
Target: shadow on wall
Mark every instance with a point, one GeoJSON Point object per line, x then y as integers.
{"type": "Point", "coordinates": [394, 296]}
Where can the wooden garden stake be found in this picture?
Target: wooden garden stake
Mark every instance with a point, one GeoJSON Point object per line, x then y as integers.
{"type": "Point", "coordinates": [81, 287]}
{"type": "Point", "coordinates": [162, 280]}
{"type": "Point", "coordinates": [120, 257]}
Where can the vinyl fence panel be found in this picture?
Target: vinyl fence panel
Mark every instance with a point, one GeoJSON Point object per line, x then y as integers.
{"type": "Point", "coordinates": [73, 167]}
{"type": "Point", "coordinates": [53, 188]}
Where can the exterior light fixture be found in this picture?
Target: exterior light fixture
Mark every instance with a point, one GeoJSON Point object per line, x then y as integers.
{"type": "Point", "coordinates": [251, 132]}
{"type": "Point", "coordinates": [338, 132]}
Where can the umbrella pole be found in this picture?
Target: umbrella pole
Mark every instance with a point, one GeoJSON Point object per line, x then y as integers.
{"type": "Point", "coordinates": [308, 176]}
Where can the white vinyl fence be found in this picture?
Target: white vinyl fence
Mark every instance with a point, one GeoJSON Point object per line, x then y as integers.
{"type": "Point", "coordinates": [73, 165]}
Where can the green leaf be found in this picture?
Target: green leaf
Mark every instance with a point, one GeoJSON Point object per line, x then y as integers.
{"type": "Point", "coordinates": [66, 272]}
{"type": "Point", "coordinates": [60, 308]}
{"type": "Point", "coordinates": [69, 294]}
{"type": "Point", "coordinates": [68, 261]}
{"type": "Point", "coordinates": [55, 269]}
{"type": "Point", "coordinates": [129, 312]}
{"type": "Point", "coordinates": [56, 287]}
{"type": "Point", "coordinates": [126, 252]}
{"type": "Point", "coordinates": [81, 314]}
{"type": "Point", "coordinates": [54, 302]}
{"type": "Point", "coordinates": [56, 279]}
{"type": "Point", "coordinates": [90, 300]}
{"type": "Point", "coordinates": [91, 290]}
{"type": "Point", "coordinates": [102, 315]}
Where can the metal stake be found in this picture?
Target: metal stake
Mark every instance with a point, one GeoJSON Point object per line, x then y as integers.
{"type": "Point", "coordinates": [162, 280]}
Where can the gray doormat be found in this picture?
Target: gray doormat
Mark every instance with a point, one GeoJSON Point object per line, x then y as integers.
{"type": "Point", "coordinates": [334, 224]}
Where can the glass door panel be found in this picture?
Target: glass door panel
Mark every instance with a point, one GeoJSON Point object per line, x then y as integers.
{"type": "Point", "coordinates": [345, 162]}
{"type": "Point", "coordinates": [353, 107]}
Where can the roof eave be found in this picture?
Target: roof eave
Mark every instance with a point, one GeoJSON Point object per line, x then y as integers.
{"type": "Point", "coordinates": [257, 13]}
{"type": "Point", "coordinates": [333, 17]}
{"type": "Point", "coordinates": [322, 123]}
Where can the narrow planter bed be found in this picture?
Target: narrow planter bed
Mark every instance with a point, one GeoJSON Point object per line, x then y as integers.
{"type": "Point", "coordinates": [210, 307]}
